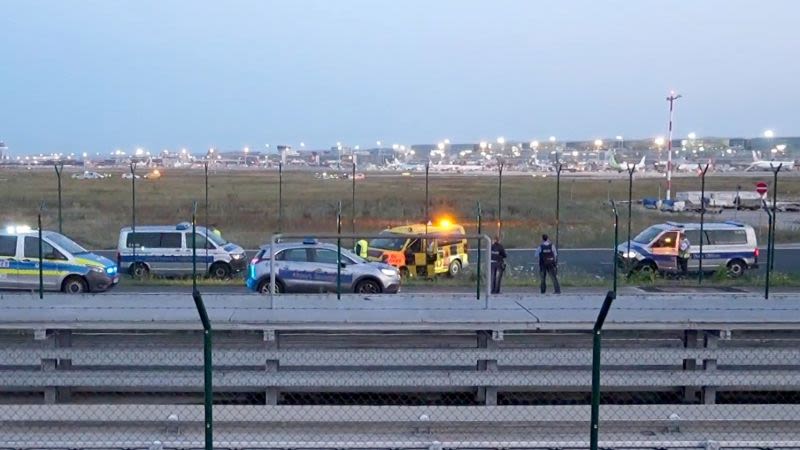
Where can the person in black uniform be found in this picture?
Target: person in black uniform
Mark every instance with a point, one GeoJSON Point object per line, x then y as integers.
{"type": "Point", "coordinates": [498, 264]}
{"type": "Point", "coordinates": [548, 264]}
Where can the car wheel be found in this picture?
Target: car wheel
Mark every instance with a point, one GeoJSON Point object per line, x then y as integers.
{"type": "Point", "coordinates": [736, 268]}
{"type": "Point", "coordinates": [220, 271]}
{"type": "Point", "coordinates": [139, 270]}
{"type": "Point", "coordinates": [74, 285]}
{"type": "Point", "coordinates": [455, 269]}
{"type": "Point", "coordinates": [368, 287]}
{"type": "Point", "coordinates": [263, 287]}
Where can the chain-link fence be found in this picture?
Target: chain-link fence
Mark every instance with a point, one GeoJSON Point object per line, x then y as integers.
{"type": "Point", "coordinates": [343, 383]}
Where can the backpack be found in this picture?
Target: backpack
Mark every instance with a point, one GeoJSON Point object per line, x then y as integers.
{"type": "Point", "coordinates": [547, 255]}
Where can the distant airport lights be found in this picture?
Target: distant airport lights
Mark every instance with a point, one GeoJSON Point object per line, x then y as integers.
{"type": "Point", "coordinates": [769, 134]}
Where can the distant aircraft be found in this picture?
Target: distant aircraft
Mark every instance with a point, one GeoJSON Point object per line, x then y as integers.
{"type": "Point", "coordinates": [541, 166]}
{"type": "Point", "coordinates": [760, 164]}
{"type": "Point", "coordinates": [397, 165]}
{"type": "Point", "coordinates": [611, 163]}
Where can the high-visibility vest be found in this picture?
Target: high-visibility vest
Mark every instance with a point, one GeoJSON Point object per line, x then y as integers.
{"type": "Point", "coordinates": [361, 248]}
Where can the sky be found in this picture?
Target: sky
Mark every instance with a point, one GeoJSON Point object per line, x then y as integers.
{"type": "Point", "coordinates": [101, 75]}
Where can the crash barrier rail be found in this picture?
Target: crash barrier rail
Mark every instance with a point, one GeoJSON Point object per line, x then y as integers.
{"type": "Point", "coordinates": [399, 372]}
{"type": "Point", "coordinates": [483, 263]}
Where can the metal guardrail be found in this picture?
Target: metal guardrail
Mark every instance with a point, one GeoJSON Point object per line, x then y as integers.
{"type": "Point", "coordinates": [402, 371]}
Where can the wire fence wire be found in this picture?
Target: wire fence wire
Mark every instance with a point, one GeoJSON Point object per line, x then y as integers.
{"type": "Point", "coordinates": [391, 389]}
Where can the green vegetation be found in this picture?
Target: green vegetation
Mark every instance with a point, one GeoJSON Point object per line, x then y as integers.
{"type": "Point", "coordinates": [243, 204]}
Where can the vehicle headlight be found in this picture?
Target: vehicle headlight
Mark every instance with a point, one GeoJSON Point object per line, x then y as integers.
{"type": "Point", "coordinates": [237, 256]}
{"type": "Point", "coordinates": [629, 255]}
{"type": "Point", "coordinates": [389, 272]}
{"type": "Point", "coordinates": [97, 269]}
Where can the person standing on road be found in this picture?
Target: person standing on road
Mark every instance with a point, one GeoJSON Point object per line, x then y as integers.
{"type": "Point", "coordinates": [548, 264]}
{"type": "Point", "coordinates": [498, 264]}
{"type": "Point", "coordinates": [683, 255]}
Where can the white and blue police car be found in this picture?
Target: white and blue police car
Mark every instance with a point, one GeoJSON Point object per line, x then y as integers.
{"type": "Point", "coordinates": [311, 267]}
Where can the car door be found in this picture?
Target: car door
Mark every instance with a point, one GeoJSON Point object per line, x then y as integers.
{"type": "Point", "coordinates": [325, 262]}
{"type": "Point", "coordinates": [9, 277]}
{"type": "Point", "coordinates": [665, 251]}
{"type": "Point", "coordinates": [709, 259]}
{"type": "Point", "coordinates": [293, 270]}
{"type": "Point", "coordinates": [53, 261]}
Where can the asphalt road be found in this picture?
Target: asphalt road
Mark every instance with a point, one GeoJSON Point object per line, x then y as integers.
{"type": "Point", "coordinates": [598, 261]}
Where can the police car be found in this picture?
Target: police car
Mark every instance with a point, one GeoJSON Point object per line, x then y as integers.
{"type": "Point", "coordinates": [311, 266]}
{"type": "Point", "coordinates": [66, 266]}
{"type": "Point", "coordinates": [730, 245]}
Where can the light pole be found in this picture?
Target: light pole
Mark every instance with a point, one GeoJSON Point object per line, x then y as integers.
{"type": "Point", "coordinates": [205, 205]}
{"type": "Point", "coordinates": [671, 99]}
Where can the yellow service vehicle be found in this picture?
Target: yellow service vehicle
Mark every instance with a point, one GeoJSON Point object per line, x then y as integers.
{"type": "Point", "coordinates": [406, 248]}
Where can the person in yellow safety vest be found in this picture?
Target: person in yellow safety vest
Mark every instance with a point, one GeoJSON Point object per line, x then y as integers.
{"type": "Point", "coordinates": [361, 248]}
{"type": "Point", "coordinates": [683, 254]}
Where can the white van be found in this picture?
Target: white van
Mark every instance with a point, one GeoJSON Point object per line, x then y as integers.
{"type": "Point", "coordinates": [167, 250]}
{"type": "Point", "coordinates": [730, 244]}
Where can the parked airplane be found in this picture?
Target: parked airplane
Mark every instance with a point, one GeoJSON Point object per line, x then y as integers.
{"type": "Point", "coordinates": [611, 163]}
{"type": "Point", "coordinates": [761, 164]}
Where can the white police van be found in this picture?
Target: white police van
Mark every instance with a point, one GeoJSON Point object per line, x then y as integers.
{"type": "Point", "coordinates": [167, 250]}
{"type": "Point", "coordinates": [730, 244]}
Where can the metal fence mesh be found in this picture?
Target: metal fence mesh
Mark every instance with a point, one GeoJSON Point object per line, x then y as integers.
{"type": "Point", "coordinates": [384, 389]}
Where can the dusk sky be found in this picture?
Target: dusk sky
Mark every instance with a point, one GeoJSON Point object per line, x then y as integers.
{"type": "Point", "coordinates": [100, 75]}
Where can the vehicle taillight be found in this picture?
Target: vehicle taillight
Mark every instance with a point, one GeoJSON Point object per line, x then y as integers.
{"type": "Point", "coordinates": [755, 252]}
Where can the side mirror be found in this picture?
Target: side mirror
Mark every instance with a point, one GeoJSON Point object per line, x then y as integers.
{"type": "Point", "coordinates": [342, 264]}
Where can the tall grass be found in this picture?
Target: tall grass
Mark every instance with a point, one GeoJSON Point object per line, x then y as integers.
{"type": "Point", "coordinates": [243, 204]}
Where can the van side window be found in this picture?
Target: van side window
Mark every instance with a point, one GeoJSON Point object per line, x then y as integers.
{"type": "Point", "coordinates": [202, 242]}
{"type": "Point", "coordinates": [171, 240]}
{"type": "Point", "coordinates": [8, 246]}
{"type": "Point", "coordinates": [694, 236]}
{"type": "Point", "coordinates": [48, 251]}
{"type": "Point", "coordinates": [415, 246]}
{"type": "Point", "coordinates": [667, 240]}
{"type": "Point", "coordinates": [727, 237]}
{"type": "Point", "coordinates": [143, 240]}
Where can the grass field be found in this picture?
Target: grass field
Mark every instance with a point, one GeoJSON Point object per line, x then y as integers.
{"type": "Point", "coordinates": [243, 204]}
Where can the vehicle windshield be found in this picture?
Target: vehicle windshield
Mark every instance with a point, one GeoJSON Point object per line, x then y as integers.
{"type": "Point", "coordinates": [390, 242]}
{"type": "Point", "coordinates": [66, 243]}
{"type": "Point", "coordinates": [647, 236]}
{"type": "Point", "coordinates": [216, 239]}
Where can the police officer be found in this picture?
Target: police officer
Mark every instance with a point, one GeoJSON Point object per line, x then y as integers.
{"type": "Point", "coordinates": [548, 264]}
{"type": "Point", "coordinates": [498, 264]}
{"type": "Point", "coordinates": [683, 255]}
{"type": "Point", "coordinates": [361, 248]}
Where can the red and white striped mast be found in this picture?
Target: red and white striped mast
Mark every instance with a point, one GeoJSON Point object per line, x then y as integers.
{"type": "Point", "coordinates": [671, 99]}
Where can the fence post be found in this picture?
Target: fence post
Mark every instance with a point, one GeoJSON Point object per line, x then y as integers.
{"type": "Point", "coordinates": [41, 257]}
{"type": "Point", "coordinates": [769, 248]}
{"type": "Point", "coordinates": [478, 291]}
{"type": "Point", "coordinates": [702, 217]}
{"type": "Point", "coordinates": [559, 166]}
{"type": "Point", "coordinates": [427, 217]}
{"type": "Point", "coordinates": [133, 216]}
{"type": "Point", "coordinates": [339, 252]}
{"type": "Point", "coordinates": [775, 171]}
{"type": "Point", "coordinates": [208, 389]}
{"type": "Point", "coordinates": [59, 167]}
{"type": "Point", "coordinates": [631, 169]}
{"type": "Point", "coordinates": [614, 249]}
{"type": "Point", "coordinates": [500, 200]}
{"type": "Point", "coordinates": [353, 219]}
{"type": "Point", "coordinates": [280, 197]}
{"type": "Point", "coordinates": [205, 208]}
{"type": "Point", "coordinates": [596, 344]}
